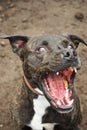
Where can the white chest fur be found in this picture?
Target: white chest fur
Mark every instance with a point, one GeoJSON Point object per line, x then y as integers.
{"type": "Point", "coordinates": [40, 105]}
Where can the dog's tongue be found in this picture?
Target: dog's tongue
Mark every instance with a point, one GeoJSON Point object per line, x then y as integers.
{"type": "Point", "coordinates": [56, 84]}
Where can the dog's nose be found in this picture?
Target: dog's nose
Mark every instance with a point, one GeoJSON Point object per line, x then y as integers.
{"type": "Point", "coordinates": [69, 54]}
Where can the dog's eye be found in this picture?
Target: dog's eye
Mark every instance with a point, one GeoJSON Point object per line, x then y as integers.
{"type": "Point", "coordinates": [70, 46]}
{"type": "Point", "coordinates": [41, 50]}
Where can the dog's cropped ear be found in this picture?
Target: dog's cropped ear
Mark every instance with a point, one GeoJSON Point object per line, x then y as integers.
{"type": "Point", "coordinates": [76, 40]}
{"type": "Point", "coordinates": [17, 42]}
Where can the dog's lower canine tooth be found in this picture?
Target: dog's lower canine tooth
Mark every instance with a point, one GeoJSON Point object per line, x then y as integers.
{"type": "Point", "coordinates": [70, 102]}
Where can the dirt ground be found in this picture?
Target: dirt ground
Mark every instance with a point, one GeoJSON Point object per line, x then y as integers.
{"type": "Point", "coordinates": [34, 17]}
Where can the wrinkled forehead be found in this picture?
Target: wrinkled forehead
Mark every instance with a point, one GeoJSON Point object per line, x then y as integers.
{"type": "Point", "coordinates": [51, 41]}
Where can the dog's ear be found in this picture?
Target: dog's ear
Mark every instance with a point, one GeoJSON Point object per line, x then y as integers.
{"type": "Point", "coordinates": [17, 42]}
{"type": "Point", "coordinates": [76, 40]}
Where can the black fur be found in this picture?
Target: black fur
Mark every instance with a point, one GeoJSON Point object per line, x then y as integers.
{"type": "Point", "coordinates": [34, 65]}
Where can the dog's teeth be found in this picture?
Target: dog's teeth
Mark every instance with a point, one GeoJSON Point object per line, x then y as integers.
{"type": "Point", "coordinates": [70, 102]}
{"type": "Point", "coordinates": [47, 87]}
{"type": "Point", "coordinates": [57, 73]}
{"type": "Point", "coordinates": [63, 103]}
{"type": "Point", "coordinates": [71, 69]}
{"type": "Point", "coordinates": [75, 69]}
{"type": "Point", "coordinates": [67, 90]}
{"type": "Point", "coordinates": [67, 94]}
{"type": "Point", "coordinates": [67, 99]}
{"type": "Point", "coordinates": [59, 103]}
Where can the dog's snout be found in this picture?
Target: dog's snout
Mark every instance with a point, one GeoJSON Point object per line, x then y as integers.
{"type": "Point", "coordinates": [69, 54]}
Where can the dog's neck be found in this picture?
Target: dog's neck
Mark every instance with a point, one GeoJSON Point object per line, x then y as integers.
{"type": "Point", "coordinates": [38, 92]}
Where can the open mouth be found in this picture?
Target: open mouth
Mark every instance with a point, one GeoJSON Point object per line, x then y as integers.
{"type": "Point", "coordinates": [58, 89]}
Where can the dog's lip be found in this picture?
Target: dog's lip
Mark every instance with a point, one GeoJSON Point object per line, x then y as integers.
{"type": "Point", "coordinates": [67, 105]}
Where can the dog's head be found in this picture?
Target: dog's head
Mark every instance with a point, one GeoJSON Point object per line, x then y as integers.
{"type": "Point", "coordinates": [50, 63]}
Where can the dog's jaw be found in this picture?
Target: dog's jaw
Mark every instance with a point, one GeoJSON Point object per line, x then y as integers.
{"type": "Point", "coordinates": [58, 89]}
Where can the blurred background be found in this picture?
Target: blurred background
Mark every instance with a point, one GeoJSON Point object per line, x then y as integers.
{"type": "Point", "coordinates": [36, 17]}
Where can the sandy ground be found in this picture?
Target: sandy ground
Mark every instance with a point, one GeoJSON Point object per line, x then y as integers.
{"type": "Point", "coordinates": [34, 17]}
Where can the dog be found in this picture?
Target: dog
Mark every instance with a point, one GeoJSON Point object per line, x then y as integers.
{"type": "Point", "coordinates": [48, 100]}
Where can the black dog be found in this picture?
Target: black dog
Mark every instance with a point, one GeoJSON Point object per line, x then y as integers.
{"type": "Point", "coordinates": [47, 100]}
